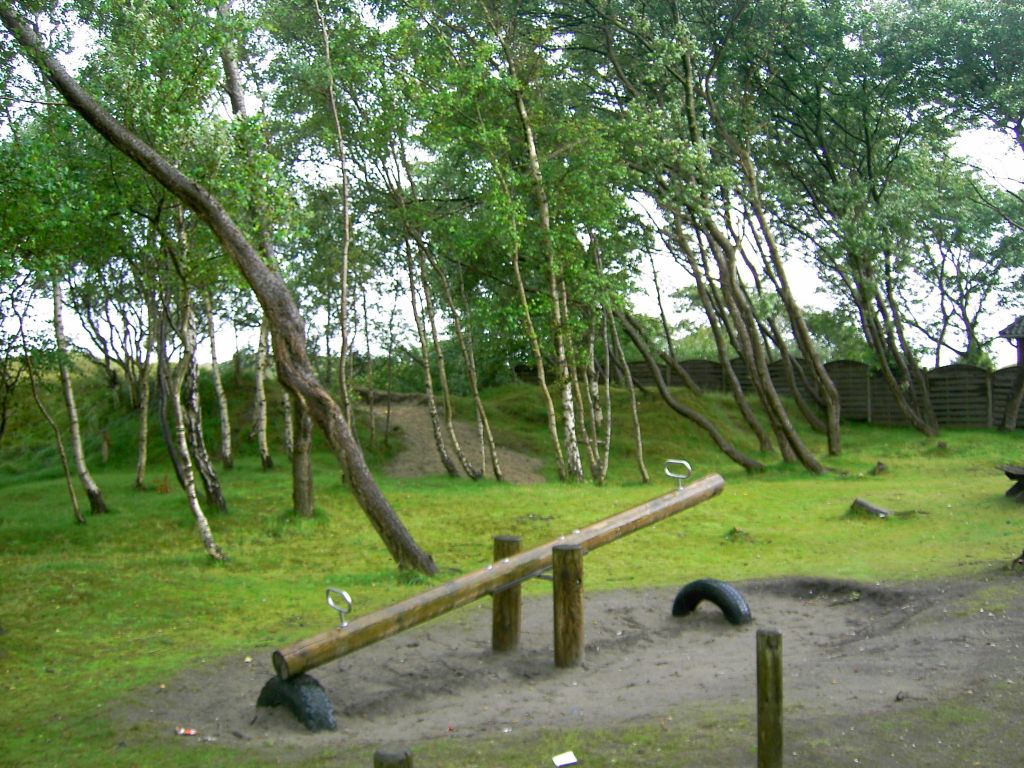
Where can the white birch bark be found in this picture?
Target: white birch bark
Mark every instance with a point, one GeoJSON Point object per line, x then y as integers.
{"type": "Point", "coordinates": [96, 503]}
{"type": "Point", "coordinates": [259, 408]}
{"type": "Point", "coordinates": [226, 455]}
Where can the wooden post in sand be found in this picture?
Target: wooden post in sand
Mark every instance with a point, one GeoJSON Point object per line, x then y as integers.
{"type": "Point", "coordinates": [769, 698]}
{"type": "Point", "coordinates": [507, 604]}
{"type": "Point", "coordinates": [567, 569]}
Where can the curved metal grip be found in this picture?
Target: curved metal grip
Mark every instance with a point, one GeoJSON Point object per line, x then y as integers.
{"type": "Point", "coordinates": [341, 609]}
{"type": "Point", "coordinates": [678, 475]}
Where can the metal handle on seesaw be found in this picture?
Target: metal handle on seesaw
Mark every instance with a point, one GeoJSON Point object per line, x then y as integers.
{"type": "Point", "coordinates": [678, 475]}
{"type": "Point", "coordinates": [341, 609]}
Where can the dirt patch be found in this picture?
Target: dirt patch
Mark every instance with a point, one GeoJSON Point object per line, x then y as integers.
{"type": "Point", "coordinates": [419, 456]}
{"type": "Point", "coordinates": [849, 649]}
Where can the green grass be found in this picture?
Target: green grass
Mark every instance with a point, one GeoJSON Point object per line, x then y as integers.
{"type": "Point", "coordinates": [93, 612]}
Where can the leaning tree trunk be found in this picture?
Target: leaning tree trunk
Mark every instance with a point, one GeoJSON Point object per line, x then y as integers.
{"type": "Point", "coordinates": [165, 387]}
{"type": "Point", "coordinates": [58, 440]}
{"type": "Point", "coordinates": [487, 443]}
{"type": "Point", "coordinates": [226, 455]}
{"type": "Point", "coordinates": [716, 317]}
{"type": "Point", "coordinates": [442, 375]}
{"type": "Point", "coordinates": [96, 503]}
{"type": "Point", "coordinates": [188, 480]}
{"type": "Point", "coordinates": [192, 413]}
{"type": "Point", "coordinates": [293, 365]}
{"type": "Point", "coordinates": [749, 464]}
{"type": "Point", "coordinates": [428, 380]}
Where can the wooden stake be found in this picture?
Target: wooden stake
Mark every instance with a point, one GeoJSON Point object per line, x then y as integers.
{"type": "Point", "coordinates": [506, 605]}
{"type": "Point", "coordinates": [769, 698]}
{"type": "Point", "coordinates": [567, 567]}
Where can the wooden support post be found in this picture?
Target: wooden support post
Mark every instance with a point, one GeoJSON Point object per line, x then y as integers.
{"type": "Point", "coordinates": [506, 605]}
{"type": "Point", "coordinates": [392, 758]}
{"type": "Point", "coordinates": [769, 698]}
{"type": "Point", "coordinates": [567, 568]}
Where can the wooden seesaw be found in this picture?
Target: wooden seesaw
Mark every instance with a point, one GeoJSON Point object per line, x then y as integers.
{"type": "Point", "coordinates": [502, 579]}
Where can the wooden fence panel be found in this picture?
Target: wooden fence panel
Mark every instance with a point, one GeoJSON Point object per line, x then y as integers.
{"type": "Point", "coordinates": [1003, 382]}
{"type": "Point", "coordinates": [853, 381]}
{"type": "Point", "coordinates": [777, 370]}
{"type": "Point", "coordinates": [884, 408]}
{"type": "Point", "coordinates": [706, 373]}
{"type": "Point", "coordinates": [961, 396]}
{"type": "Point", "coordinates": [740, 368]}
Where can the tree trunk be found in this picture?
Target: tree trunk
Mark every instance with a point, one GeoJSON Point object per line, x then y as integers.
{"type": "Point", "coordinates": [302, 464]}
{"type": "Point", "coordinates": [288, 428]}
{"type": "Point", "coordinates": [58, 440]}
{"type": "Point", "coordinates": [145, 390]}
{"type": "Point", "coordinates": [96, 503]}
{"type": "Point", "coordinates": [739, 305]}
{"type": "Point", "coordinates": [226, 454]}
{"type": "Point", "coordinates": [638, 437]}
{"type": "Point", "coordinates": [164, 393]}
{"type": "Point", "coordinates": [188, 481]}
{"type": "Point", "coordinates": [192, 414]}
{"type": "Point", "coordinates": [538, 360]}
{"type": "Point", "coordinates": [573, 461]}
{"type": "Point", "coordinates": [294, 369]}
{"type": "Point", "coordinates": [466, 347]}
{"type": "Point", "coordinates": [826, 388]}
{"type": "Point", "coordinates": [428, 379]}
{"type": "Point", "coordinates": [701, 421]}
{"type": "Point", "coordinates": [442, 375]}
{"type": "Point", "coordinates": [713, 312]}
{"type": "Point", "coordinates": [259, 406]}
{"type": "Point", "coordinates": [346, 217]}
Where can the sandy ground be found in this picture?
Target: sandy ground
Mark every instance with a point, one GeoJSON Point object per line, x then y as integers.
{"type": "Point", "coordinates": [849, 649]}
{"type": "Point", "coordinates": [856, 657]}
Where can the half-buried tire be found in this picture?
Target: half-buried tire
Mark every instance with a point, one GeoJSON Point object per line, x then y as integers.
{"type": "Point", "coordinates": [724, 595]}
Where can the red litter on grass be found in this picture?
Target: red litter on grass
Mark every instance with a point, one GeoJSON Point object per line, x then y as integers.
{"type": "Point", "coordinates": [185, 731]}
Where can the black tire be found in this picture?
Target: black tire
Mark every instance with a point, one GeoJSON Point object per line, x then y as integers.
{"type": "Point", "coordinates": [724, 595]}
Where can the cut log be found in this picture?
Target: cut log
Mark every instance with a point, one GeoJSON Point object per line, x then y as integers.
{"type": "Point", "coordinates": [861, 508]}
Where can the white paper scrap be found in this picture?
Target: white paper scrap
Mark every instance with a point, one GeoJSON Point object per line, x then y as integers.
{"type": "Point", "coordinates": [566, 758]}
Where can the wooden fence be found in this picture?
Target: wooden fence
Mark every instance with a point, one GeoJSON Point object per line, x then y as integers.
{"type": "Point", "coordinates": [961, 395]}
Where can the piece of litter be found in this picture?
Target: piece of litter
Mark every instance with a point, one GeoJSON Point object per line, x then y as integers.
{"type": "Point", "coordinates": [185, 731]}
{"type": "Point", "coordinates": [248, 659]}
{"type": "Point", "coordinates": [566, 758]}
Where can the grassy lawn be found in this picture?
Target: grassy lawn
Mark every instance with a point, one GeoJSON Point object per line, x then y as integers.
{"type": "Point", "coordinates": [91, 612]}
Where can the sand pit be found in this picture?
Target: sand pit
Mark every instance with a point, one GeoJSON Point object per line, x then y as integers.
{"type": "Point", "coordinates": [848, 649]}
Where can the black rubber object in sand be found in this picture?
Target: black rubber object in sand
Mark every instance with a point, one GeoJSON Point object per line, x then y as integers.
{"type": "Point", "coordinates": [724, 595]}
{"type": "Point", "coordinates": [305, 697]}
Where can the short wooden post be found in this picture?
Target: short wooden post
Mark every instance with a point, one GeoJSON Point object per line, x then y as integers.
{"type": "Point", "coordinates": [392, 758]}
{"type": "Point", "coordinates": [567, 567]}
{"type": "Point", "coordinates": [769, 698]}
{"type": "Point", "coordinates": [507, 603]}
